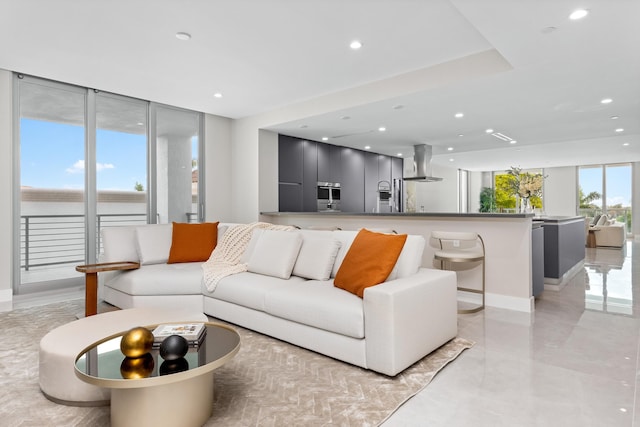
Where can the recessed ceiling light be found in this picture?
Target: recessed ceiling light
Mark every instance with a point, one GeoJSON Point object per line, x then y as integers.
{"type": "Point", "coordinates": [489, 131]}
{"type": "Point", "coordinates": [355, 45]}
{"type": "Point", "coordinates": [606, 101]}
{"type": "Point", "coordinates": [382, 129]}
{"type": "Point", "coordinates": [615, 117]}
{"type": "Point", "coordinates": [626, 144]}
{"type": "Point", "coordinates": [460, 135]}
{"type": "Point", "coordinates": [398, 107]}
{"type": "Point", "coordinates": [459, 115]}
{"type": "Point", "coordinates": [325, 138]}
{"type": "Point", "coordinates": [513, 142]}
{"type": "Point", "coordinates": [619, 130]}
{"type": "Point", "coordinates": [217, 95]}
{"type": "Point", "coordinates": [578, 14]}
{"type": "Point", "coordinates": [140, 124]}
{"type": "Point", "coordinates": [399, 154]}
{"type": "Point", "coordinates": [451, 160]}
{"type": "Point", "coordinates": [183, 36]}
{"type": "Point", "coordinates": [450, 149]}
{"type": "Point", "coordinates": [345, 118]}
{"type": "Point", "coordinates": [367, 147]}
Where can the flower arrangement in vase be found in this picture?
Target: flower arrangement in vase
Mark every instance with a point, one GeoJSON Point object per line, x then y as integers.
{"type": "Point", "coordinates": [526, 185]}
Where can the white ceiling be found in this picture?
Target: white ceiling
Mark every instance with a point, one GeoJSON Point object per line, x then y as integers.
{"type": "Point", "coordinates": [498, 61]}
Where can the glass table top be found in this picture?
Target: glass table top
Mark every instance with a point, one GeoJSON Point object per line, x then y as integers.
{"type": "Point", "coordinates": [104, 360]}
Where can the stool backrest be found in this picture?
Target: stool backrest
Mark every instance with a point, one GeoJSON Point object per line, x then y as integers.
{"type": "Point", "coordinates": [454, 240]}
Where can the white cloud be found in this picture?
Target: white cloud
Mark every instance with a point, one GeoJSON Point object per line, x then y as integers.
{"type": "Point", "coordinates": [103, 166]}
{"type": "Point", "coordinates": [78, 167]}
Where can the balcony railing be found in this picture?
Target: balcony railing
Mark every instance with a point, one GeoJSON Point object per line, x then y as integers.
{"type": "Point", "coordinates": [48, 240]}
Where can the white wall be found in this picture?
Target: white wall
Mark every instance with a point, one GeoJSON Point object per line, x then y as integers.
{"type": "Point", "coordinates": [560, 186]}
{"type": "Point", "coordinates": [268, 173]}
{"type": "Point", "coordinates": [635, 199]}
{"type": "Point", "coordinates": [441, 196]}
{"type": "Point", "coordinates": [475, 187]}
{"type": "Point", "coordinates": [217, 174]}
{"type": "Point", "coordinates": [6, 190]}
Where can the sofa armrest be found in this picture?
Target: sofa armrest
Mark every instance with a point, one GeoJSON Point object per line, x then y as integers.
{"type": "Point", "coordinates": [611, 235]}
{"type": "Point", "coordinates": [408, 318]}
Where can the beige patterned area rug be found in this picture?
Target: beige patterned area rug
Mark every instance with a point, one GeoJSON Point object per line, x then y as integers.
{"type": "Point", "coordinates": [269, 382]}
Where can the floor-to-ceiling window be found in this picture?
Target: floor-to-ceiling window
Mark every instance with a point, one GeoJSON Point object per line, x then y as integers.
{"type": "Point", "coordinates": [505, 197]}
{"type": "Point", "coordinates": [86, 162]}
{"type": "Point", "coordinates": [606, 189]}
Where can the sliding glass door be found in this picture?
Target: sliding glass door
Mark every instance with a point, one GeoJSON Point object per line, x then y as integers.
{"type": "Point", "coordinates": [84, 157]}
{"type": "Point", "coordinates": [52, 181]}
{"type": "Point", "coordinates": [606, 189]}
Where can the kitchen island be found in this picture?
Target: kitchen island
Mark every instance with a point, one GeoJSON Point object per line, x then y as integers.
{"type": "Point", "coordinates": [507, 239]}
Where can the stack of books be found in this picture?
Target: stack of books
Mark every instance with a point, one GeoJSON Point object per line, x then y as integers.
{"type": "Point", "coordinates": [194, 333]}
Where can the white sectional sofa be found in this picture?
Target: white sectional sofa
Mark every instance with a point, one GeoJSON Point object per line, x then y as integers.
{"type": "Point", "coordinates": [392, 326]}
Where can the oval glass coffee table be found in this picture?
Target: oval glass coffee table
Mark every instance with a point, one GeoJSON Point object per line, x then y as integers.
{"type": "Point", "coordinates": [150, 391]}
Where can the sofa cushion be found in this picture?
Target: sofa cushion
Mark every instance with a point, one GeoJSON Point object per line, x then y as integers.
{"type": "Point", "coordinates": [160, 279]}
{"type": "Point", "coordinates": [602, 220]}
{"type": "Point", "coordinates": [318, 304]}
{"type": "Point", "coordinates": [192, 242]}
{"type": "Point", "coordinates": [369, 261]}
{"type": "Point", "coordinates": [410, 258]}
{"type": "Point", "coordinates": [119, 244]}
{"type": "Point", "coordinates": [275, 253]}
{"type": "Point", "coordinates": [316, 258]}
{"type": "Point", "coordinates": [153, 243]}
{"type": "Point", "coordinates": [249, 289]}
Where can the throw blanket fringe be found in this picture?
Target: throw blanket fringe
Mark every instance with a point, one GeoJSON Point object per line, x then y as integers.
{"type": "Point", "coordinates": [225, 258]}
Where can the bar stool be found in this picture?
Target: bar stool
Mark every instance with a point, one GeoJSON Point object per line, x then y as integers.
{"type": "Point", "coordinates": [460, 247]}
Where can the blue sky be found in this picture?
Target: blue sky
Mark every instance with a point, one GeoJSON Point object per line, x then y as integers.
{"type": "Point", "coordinates": [52, 156]}
{"type": "Point", "coordinates": [618, 183]}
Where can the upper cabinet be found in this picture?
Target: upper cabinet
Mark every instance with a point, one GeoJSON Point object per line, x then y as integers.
{"type": "Point", "coordinates": [302, 164]}
{"type": "Point", "coordinates": [290, 160]}
{"type": "Point", "coordinates": [352, 192]}
{"type": "Point", "coordinates": [329, 163]}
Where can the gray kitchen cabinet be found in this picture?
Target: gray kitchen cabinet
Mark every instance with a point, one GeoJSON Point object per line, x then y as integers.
{"type": "Point", "coordinates": [289, 197]}
{"type": "Point", "coordinates": [290, 155]}
{"type": "Point", "coordinates": [352, 192]}
{"type": "Point", "coordinates": [329, 168]}
{"type": "Point", "coordinates": [290, 168]}
{"type": "Point", "coordinates": [309, 176]}
{"type": "Point", "coordinates": [384, 168]}
{"type": "Point", "coordinates": [370, 181]}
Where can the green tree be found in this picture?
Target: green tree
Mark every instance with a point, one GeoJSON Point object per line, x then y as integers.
{"type": "Point", "coordinates": [487, 200]}
{"type": "Point", "coordinates": [138, 187]}
{"type": "Point", "coordinates": [586, 201]}
{"type": "Point", "coordinates": [504, 192]}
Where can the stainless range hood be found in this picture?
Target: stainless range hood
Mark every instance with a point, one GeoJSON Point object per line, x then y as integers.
{"type": "Point", "coordinates": [422, 164]}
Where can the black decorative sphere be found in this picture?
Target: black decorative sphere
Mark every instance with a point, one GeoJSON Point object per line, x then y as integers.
{"type": "Point", "coordinates": [174, 366]}
{"type": "Point", "coordinates": [174, 347]}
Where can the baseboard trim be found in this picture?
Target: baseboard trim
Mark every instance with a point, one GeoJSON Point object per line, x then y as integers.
{"type": "Point", "coordinates": [553, 284]}
{"type": "Point", "coordinates": [526, 305]}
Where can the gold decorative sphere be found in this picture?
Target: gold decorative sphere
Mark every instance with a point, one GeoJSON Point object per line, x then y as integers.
{"type": "Point", "coordinates": [136, 342]}
{"type": "Point", "coordinates": [137, 367]}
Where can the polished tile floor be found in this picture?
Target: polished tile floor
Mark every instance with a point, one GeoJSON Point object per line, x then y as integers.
{"type": "Point", "coordinates": [574, 362]}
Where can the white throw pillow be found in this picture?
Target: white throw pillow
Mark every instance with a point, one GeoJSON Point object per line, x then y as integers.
{"type": "Point", "coordinates": [316, 258]}
{"type": "Point", "coordinates": [275, 253]}
{"type": "Point", "coordinates": [119, 244]}
{"type": "Point", "coordinates": [255, 236]}
{"type": "Point", "coordinates": [154, 243]}
{"type": "Point", "coordinates": [602, 220]}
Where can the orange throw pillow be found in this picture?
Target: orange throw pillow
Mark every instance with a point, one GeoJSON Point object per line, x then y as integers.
{"type": "Point", "coordinates": [192, 242]}
{"type": "Point", "coordinates": [369, 261]}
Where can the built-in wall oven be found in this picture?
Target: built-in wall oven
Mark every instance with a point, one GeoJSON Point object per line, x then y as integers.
{"type": "Point", "coordinates": [328, 196]}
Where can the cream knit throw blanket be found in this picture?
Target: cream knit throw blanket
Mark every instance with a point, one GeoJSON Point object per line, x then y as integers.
{"type": "Point", "coordinates": [225, 258]}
